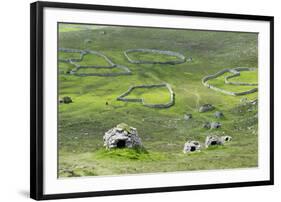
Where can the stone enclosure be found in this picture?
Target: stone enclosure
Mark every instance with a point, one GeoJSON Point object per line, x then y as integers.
{"type": "Point", "coordinates": [181, 58]}
{"type": "Point", "coordinates": [123, 98]}
{"type": "Point", "coordinates": [235, 73]}
{"type": "Point", "coordinates": [77, 67]}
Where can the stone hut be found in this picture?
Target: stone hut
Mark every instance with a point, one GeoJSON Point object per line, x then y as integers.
{"type": "Point", "coordinates": [122, 136]}
{"type": "Point", "coordinates": [191, 146]}
{"type": "Point", "coordinates": [213, 140]}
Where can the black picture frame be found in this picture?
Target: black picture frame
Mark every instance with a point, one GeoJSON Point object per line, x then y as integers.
{"type": "Point", "coordinates": [36, 99]}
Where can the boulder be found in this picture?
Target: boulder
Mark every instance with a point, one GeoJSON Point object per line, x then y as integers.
{"type": "Point", "coordinates": [212, 125]}
{"type": "Point", "coordinates": [65, 100]}
{"type": "Point", "coordinates": [191, 146]}
{"type": "Point", "coordinates": [206, 108]}
{"type": "Point", "coordinates": [218, 114]}
{"type": "Point", "coordinates": [213, 140]}
{"type": "Point", "coordinates": [207, 125]}
{"type": "Point", "coordinates": [122, 136]}
{"type": "Point", "coordinates": [215, 125]}
{"type": "Point", "coordinates": [187, 117]}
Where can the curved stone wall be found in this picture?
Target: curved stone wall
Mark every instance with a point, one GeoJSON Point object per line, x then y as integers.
{"type": "Point", "coordinates": [73, 61]}
{"type": "Point", "coordinates": [235, 72]}
{"type": "Point", "coordinates": [141, 100]}
{"type": "Point", "coordinates": [181, 58]}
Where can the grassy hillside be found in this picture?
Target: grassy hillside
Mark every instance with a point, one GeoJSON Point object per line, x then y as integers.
{"type": "Point", "coordinates": [95, 109]}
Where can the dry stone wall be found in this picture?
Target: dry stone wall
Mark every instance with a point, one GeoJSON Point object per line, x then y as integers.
{"type": "Point", "coordinates": [235, 73]}
{"type": "Point", "coordinates": [77, 67]}
{"type": "Point", "coordinates": [181, 58]}
{"type": "Point", "coordinates": [123, 98]}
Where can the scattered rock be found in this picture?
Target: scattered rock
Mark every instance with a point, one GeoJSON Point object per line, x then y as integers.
{"type": "Point", "coordinates": [206, 108]}
{"type": "Point", "coordinates": [218, 114]}
{"type": "Point", "coordinates": [65, 100]}
{"type": "Point", "coordinates": [212, 125]}
{"type": "Point", "coordinates": [215, 125]}
{"type": "Point", "coordinates": [60, 100]}
{"type": "Point", "coordinates": [191, 146]}
{"type": "Point", "coordinates": [207, 125]}
{"type": "Point", "coordinates": [213, 140]}
{"type": "Point", "coordinates": [187, 117]}
{"type": "Point", "coordinates": [122, 136]}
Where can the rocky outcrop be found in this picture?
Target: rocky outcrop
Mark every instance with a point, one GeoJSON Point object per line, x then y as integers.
{"type": "Point", "coordinates": [122, 136]}
{"type": "Point", "coordinates": [191, 146]}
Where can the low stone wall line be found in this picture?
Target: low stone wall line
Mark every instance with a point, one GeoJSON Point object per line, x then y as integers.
{"type": "Point", "coordinates": [181, 58]}
{"type": "Point", "coordinates": [73, 61]}
{"type": "Point", "coordinates": [236, 72]}
{"type": "Point", "coordinates": [141, 100]}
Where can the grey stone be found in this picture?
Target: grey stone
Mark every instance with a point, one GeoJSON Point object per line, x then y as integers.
{"type": "Point", "coordinates": [207, 125]}
{"type": "Point", "coordinates": [213, 140]}
{"type": "Point", "coordinates": [215, 125]}
{"type": "Point", "coordinates": [65, 100]}
{"type": "Point", "coordinates": [206, 108]}
{"type": "Point", "coordinates": [122, 136]}
{"type": "Point", "coordinates": [218, 114]}
{"type": "Point", "coordinates": [187, 117]}
{"type": "Point", "coordinates": [191, 146]}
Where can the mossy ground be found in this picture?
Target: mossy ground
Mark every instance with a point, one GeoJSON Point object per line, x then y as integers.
{"type": "Point", "coordinates": [95, 109]}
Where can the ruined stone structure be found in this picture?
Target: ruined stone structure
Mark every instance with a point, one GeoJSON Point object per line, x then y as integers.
{"type": "Point", "coordinates": [123, 98]}
{"type": "Point", "coordinates": [181, 58]}
{"type": "Point", "coordinates": [235, 73]}
{"type": "Point", "coordinates": [77, 67]}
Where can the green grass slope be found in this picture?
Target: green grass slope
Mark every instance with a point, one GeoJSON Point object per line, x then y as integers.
{"type": "Point", "coordinates": [95, 109]}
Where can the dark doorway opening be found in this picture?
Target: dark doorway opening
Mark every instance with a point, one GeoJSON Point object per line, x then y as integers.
{"type": "Point", "coordinates": [192, 148]}
{"type": "Point", "coordinates": [121, 144]}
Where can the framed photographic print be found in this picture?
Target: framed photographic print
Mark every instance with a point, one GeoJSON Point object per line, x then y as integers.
{"type": "Point", "coordinates": [134, 100]}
